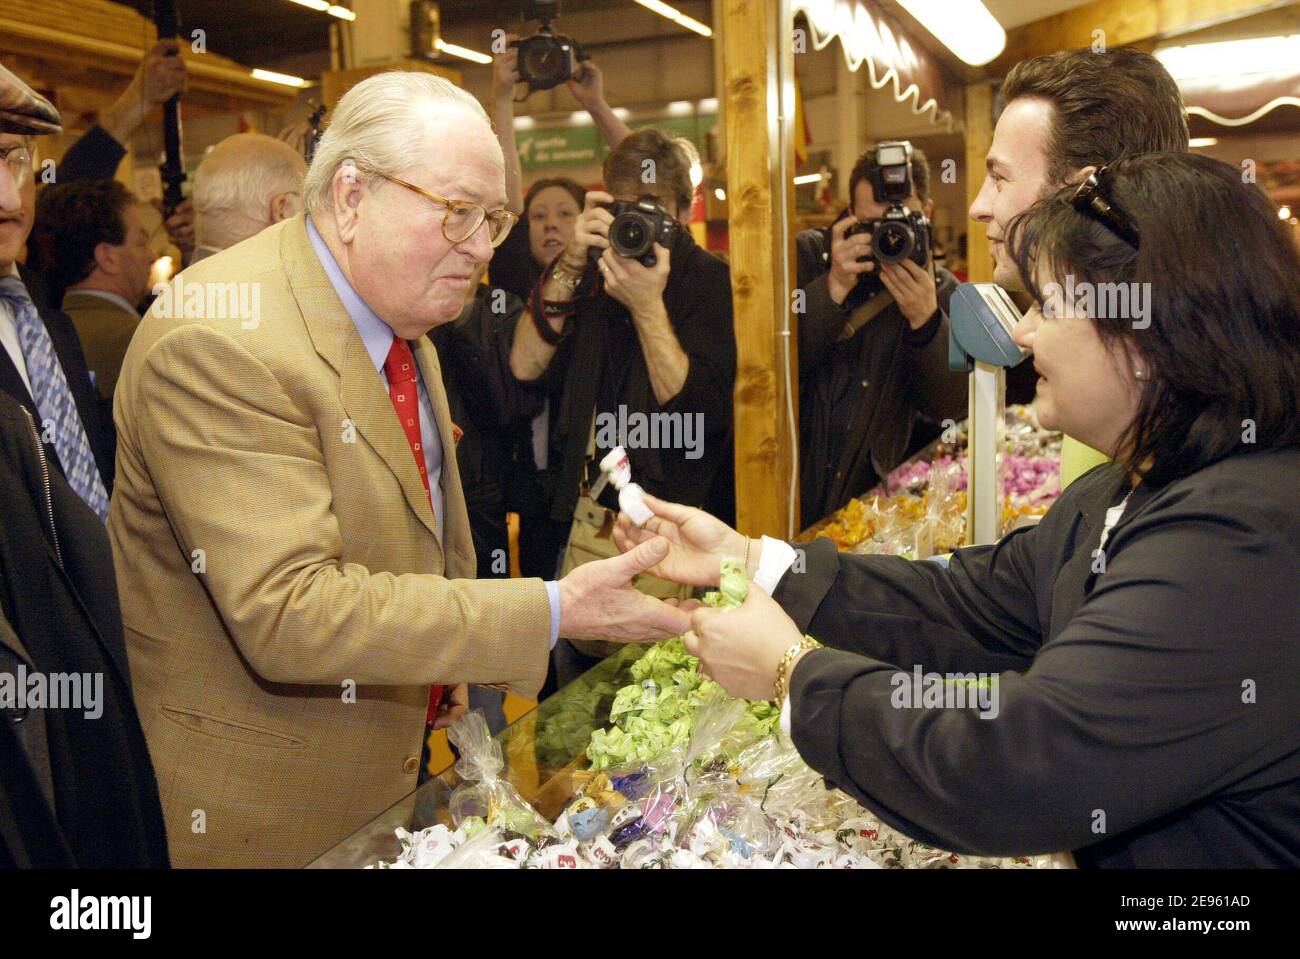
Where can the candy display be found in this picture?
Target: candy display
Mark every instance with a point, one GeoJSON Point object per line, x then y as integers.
{"type": "Point", "coordinates": [920, 508]}
{"type": "Point", "coordinates": [684, 777]}
{"type": "Point", "coordinates": [657, 712]}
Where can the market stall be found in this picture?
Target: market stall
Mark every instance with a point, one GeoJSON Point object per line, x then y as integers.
{"type": "Point", "coordinates": [920, 508]}
{"type": "Point", "coordinates": [640, 763]}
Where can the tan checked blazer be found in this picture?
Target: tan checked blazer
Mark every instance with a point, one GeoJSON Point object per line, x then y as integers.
{"type": "Point", "coordinates": [274, 545]}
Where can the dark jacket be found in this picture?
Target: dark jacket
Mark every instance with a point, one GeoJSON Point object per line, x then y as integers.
{"type": "Point", "coordinates": [600, 366]}
{"type": "Point", "coordinates": [74, 790]}
{"type": "Point", "coordinates": [491, 408]}
{"type": "Point", "coordinates": [1147, 715]}
{"type": "Point", "coordinates": [513, 268]}
{"type": "Point", "coordinates": [67, 347]}
{"type": "Point", "coordinates": [859, 398]}
{"type": "Point", "coordinates": [94, 156]}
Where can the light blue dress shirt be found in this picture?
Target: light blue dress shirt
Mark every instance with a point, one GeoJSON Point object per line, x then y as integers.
{"type": "Point", "coordinates": [377, 337]}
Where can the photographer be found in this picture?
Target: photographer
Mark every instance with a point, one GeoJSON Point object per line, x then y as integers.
{"type": "Point", "coordinates": [621, 340]}
{"type": "Point", "coordinates": [873, 342]}
{"type": "Point", "coordinates": [549, 209]}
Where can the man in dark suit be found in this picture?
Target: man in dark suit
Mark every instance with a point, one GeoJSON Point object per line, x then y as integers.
{"type": "Point", "coordinates": [77, 787]}
{"type": "Point", "coordinates": [41, 362]}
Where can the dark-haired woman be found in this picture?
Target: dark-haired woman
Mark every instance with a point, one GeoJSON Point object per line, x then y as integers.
{"type": "Point", "coordinates": [1122, 680]}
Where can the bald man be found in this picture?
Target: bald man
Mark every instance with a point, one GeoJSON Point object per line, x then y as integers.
{"type": "Point", "coordinates": [246, 183]}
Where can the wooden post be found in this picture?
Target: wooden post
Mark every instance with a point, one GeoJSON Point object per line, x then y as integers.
{"type": "Point", "coordinates": [987, 388]}
{"type": "Point", "coordinates": [979, 136]}
{"type": "Point", "coordinates": [759, 110]}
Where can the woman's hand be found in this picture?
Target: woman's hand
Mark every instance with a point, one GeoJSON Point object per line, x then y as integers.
{"type": "Point", "coordinates": [505, 72]}
{"type": "Point", "coordinates": [741, 649]}
{"type": "Point", "coordinates": [588, 87]}
{"type": "Point", "coordinates": [697, 542]}
{"type": "Point", "coordinates": [591, 229]}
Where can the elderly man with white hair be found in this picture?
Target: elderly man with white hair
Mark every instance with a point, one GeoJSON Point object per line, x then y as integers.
{"type": "Point", "coordinates": [246, 183]}
{"type": "Point", "coordinates": [289, 530]}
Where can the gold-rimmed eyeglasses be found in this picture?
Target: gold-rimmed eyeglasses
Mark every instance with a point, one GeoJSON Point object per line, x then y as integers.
{"type": "Point", "coordinates": [19, 160]}
{"type": "Point", "coordinates": [464, 217]}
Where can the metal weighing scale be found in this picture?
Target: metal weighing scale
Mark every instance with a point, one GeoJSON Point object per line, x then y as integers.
{"type": "Point", "coordinates": [981, 321]}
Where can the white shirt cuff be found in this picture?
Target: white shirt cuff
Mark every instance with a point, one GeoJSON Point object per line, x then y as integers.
{"type": "Point", "coordinates": [553, 593]}
{"type": "Point", "coordinates": [777, 557]}
{"type": "Point", "coordinates": [785, 718]}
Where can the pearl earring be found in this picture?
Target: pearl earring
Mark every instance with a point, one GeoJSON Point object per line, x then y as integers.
{"type": "Point", "coordinates": [1138, 374]}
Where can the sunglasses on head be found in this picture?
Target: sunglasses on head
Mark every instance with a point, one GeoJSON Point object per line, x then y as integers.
{"type": "Point", "coordinates": [1089, 199]}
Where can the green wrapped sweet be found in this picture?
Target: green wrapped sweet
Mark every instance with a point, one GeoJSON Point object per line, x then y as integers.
{"type": "Point", "coordinates": [656, 713]}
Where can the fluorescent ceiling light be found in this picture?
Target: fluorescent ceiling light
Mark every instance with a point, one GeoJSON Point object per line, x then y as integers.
{"type": "Point", "coordinates": [320, 6]}
{"type": "Point", "coordinates": [709, 105]}
{"type": "Point", "coordinates": [807, 178]}
{"type": "Point", "coordinates": [459, 51]}
{"type": "Point", "coordinates": [273, 77]}
{"type": "Point", "coordinates": [1231, 58]}
{"type": "Point", "coordinates": [680, 108]}
{"type": "Point", "coordinates": [525, 123]}
{"type": "Point", "coordinates": [343, 13]}
{"type": "Point", "coordinates": [675, 15]}
{"type": "Point", "coordinates": [1195, 142]}
{"type": "Point", "coordinates": [621, 112]}
{"type": "Point", "coordinates": [963, 26]}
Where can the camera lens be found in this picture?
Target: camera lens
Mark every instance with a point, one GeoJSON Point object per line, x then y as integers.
{"type": "Point", "coordinates": [892, 242]}
{"type": "Point", "coordinates": [540, 61]}
{"type": "Point", "coordinates": [630, 235]}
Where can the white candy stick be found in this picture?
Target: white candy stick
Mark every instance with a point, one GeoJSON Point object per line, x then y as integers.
{"type": "Point", "coordinates": [631, 500]}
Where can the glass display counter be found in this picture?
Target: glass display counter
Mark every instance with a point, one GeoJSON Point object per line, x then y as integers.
{"type": "Point", "coordinates": [543, 748]}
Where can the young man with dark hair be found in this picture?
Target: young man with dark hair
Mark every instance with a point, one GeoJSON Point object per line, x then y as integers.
{"type": "Point", "coordinates": [873, 348]}
{"type": "Point", "coordinates": [93, 249]}
{"type": "Point", "coordinates": [1065, 115]}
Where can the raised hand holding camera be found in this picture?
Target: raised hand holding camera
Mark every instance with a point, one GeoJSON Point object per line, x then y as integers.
{"type": "Point", "coordinates": [590, 231]}
{"type": "Point", "coordinates": [638, 287]}
{"type": "Point", "coordinates": [913, 289]}
{"type": "Point", "coordinates": [547, 58]}
{"type": "Point", "coordinates": [850, 258]}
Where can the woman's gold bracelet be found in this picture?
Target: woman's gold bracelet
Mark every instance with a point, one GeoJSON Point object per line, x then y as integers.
{"type": "Point", "coordinates": [782, 686]}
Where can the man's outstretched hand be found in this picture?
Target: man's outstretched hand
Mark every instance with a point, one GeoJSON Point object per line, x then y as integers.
{"type": "Point", "coordinates": [698, 542]}
{"type": "Point", "coordinates": [598, 601]}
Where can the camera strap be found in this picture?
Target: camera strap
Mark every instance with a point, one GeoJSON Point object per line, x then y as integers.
{"type": "Point", "coordinates": [543, 310]}
{"type": "Point", "coordinates": [864, 314]}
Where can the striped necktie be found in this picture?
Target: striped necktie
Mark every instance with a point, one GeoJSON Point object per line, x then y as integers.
{"type": "Point", "coordinates": [54, 403]}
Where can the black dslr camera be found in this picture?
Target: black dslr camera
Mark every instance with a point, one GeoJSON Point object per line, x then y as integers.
{"type": "Point", "coordinates": [547, 58]}
{"type": "Point", "coordinates": [637, 227]}
{"type": "Point", "coordinates": [900, 234]}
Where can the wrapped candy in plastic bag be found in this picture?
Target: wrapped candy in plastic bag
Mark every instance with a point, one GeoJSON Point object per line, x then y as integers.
{"type": "Point", "coordinates": [484, 793]}
{"type": "Point", "coordinates": [944, 527]}
{"type": "Point", "coordinates": [654, 715]}
{"type": "Point", "coordinates": [486, 849]}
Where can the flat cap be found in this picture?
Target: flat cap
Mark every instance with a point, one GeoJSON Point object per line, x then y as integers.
{"type": "Point", "coordinates": [23, 110]}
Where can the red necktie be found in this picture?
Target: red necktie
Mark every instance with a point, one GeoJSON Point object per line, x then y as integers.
{"type": "Point", "coordinates": [404, 391]}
